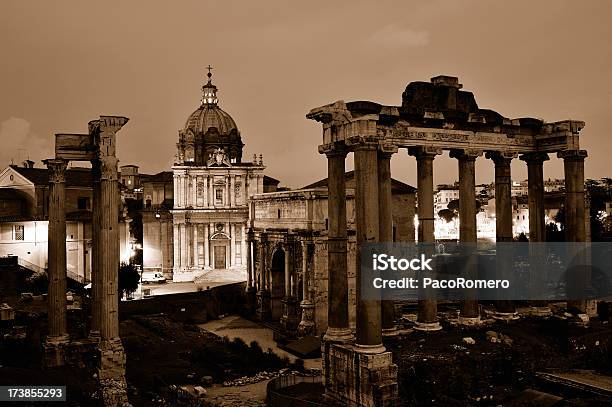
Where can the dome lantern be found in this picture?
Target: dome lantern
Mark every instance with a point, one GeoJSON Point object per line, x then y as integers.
{"type": "Point", "coordinates": [209, 91]}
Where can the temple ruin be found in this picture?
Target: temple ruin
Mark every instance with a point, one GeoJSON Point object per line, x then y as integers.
{"type": "Point", "coordinates": [434, 116]}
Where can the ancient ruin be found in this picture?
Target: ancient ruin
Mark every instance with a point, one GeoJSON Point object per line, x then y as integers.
{"type": "Point", "coordinates": [99, 147]}
{"type": "Point", "coordinates": [434, 116]}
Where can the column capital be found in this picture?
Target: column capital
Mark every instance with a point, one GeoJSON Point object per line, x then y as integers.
{"type": "Point", "coordinates": [333, 150]}
{"type": "Point", "coordinates": [57, 169]}
{"type": "Point", "coordinates": [386, 150]}
{"type": "Point", "coordinates": [572, 155]}
{"type": "Point", "coordinates": [534, 158]}
{"type": "Point", "coordinates": [501, 158]}
{"type": "Point", "coordinates": [467, 154]}
{"type": "Point", "coordinates": [424, 152]}
{"type": "Point", "coordinates": [363, 142]}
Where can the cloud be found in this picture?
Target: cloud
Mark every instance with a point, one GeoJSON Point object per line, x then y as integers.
{"type": "Point", "coordinates": [20, 143]}
{"type": "Point", "coordinates": [395, 35]}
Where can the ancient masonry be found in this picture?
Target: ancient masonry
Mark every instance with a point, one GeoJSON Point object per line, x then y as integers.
{"type": "Point", "coordinates": [98, 146]}
{"type": "Point", "coordinates": [435, 116]}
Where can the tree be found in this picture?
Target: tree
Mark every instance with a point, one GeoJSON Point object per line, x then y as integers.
{"type": "Point", "coordinates": [129, 278]}
{"type": "Point", "coordinates": [447, 214]}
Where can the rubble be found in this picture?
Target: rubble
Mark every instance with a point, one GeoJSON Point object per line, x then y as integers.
{"type": "Point", "coordinates": [469, 340]}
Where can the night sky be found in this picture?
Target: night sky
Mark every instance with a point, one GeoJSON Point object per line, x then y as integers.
{"type": "Point", "coordinates": [66, 62]}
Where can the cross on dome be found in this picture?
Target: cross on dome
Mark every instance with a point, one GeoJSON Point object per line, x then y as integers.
{"type": "Point", "coordinates": [209, 90]}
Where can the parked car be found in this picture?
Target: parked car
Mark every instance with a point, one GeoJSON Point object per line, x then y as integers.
{"type": "Point", "coordinates": [152, 277]}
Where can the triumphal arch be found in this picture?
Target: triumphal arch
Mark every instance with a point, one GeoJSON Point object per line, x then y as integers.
{"type": "Point", "coordinates": [434, 116]}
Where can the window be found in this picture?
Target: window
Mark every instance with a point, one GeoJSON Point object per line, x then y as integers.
{"type": "Point", "coordinates": [83, 203]}
{"type": "Point", "coordinates": [18, 232]}
{"type": "Point", "coordinates": [218, 195]}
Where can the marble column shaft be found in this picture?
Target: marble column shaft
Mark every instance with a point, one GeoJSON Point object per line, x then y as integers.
{"type": "Point", "coordinates": [96, 273]}
{"type": "Point", "coordinates": [503, 219]}
{"type": "Point", "coordinates": [369, 318]}
{"type": "Point", "coordinates": [288, 267]}
{"type": "Point", "coordinates": [575, 228]}
{"type": "Point", "coordinates": [58, 331]}
{"type": "Point", "coordinates": [337, 300]}
{"type": "Point", "coordinates": [467, 224]}
{"type": "Point", "coordinates": [427, 307]}
{"type": "Point", "coordinates": [109, 248]}
{"type": "Point", "coordinates": [385, 220]}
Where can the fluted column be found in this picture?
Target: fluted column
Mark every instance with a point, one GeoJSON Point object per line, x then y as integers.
{"type": "Point", "coordinates": [206, 246]}
{"type": "Point", "coordinates": [369, 319]}
{"type": "Point", "coordinates": [288, 266]}
{"type": "Point", "coordinates": [96, 273]}
{"type": "Point", "coordinates": [503, 224]}
{"type": "Point", "coordinates": [249, 263]}
{"type": "Point", "coordinates": [307, 325]}
{"type": "Point", "coordinates": [385, 221]}
{"type": "Point", "coordinates": [337, 302]}
{"type": "Point", "coordinates": [427, 318]}
{"type": "Point", "coordinates": [469, 312]}
{"type": "Point", "coordinates": [58, 331]}
{"type": "Point", "coordinates": [112, 356]}
{"type": "Point", "coordinates": [575, 227]}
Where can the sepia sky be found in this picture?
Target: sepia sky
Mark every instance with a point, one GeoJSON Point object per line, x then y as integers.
{"type": "Point", "coordinates": [63, 63]}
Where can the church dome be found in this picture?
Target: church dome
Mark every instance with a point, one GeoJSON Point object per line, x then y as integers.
{"type": "Point", "coordinates": [208, 131]}
{"type": "Point", "coordinates": [207, 116]}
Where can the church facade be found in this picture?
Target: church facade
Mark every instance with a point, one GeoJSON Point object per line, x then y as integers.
{"type": "Point", "coordinates": [212, 185]}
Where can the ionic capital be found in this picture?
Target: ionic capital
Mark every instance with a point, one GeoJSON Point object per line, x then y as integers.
{"type": "Point", "coordinates": [534, 158]}
{"type": "Point", "coordinates": [467, 154]}
{"type": "Point", "coordinates": [336, 149]}
{"type": "Point", "coordinates": [57, 170]}
{"type": "Point", "coordinates": [386, 150]}
{"type": "Point", "coordinates": [572, 155]}
{"type": "Point", "coordinates": [362, 142]}
{"type": "Point", "coordinates": [424, 152]}
{"type": "Point", "coordinates": [501, 158]}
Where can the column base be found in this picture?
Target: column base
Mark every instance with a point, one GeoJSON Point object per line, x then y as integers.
{"type": "Point", "coordinates": [112, 359]}
{"type": "Point", "coordinates": [290, 319]}
{"type": "Point", "coordinates": [505, 316]}
{"type": "Point", "coordinates": [360, 379]}
{"type": "Point", "coordinates": [469, 321]}
{"type": "Point", "coordinates": [390, 332]}
{"type": "Point", "coordinates": [307, 325]}
{"type": "Point", "coordinates": [94, 336]}
{"type": "Point", "coordinates": [370, 349]}
{"type": "Point", "coordinates": [540, 312]}
{"type": "Point", "coordinates": [54, 351]}
{"type": "Point", "coordinates": [427, 326]}
{"type": "Point", "coordinates": [338, 335]}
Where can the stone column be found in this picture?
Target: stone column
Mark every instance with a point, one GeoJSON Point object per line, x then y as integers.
{"type": "Point", "coordinates": [537, 226]}
{"type": "Point", "coordinates": [369, 320]}
{"type": "Point", "coordinates": [96, 274]}
{"type": "Point", "coordinates": [385, 222]}
{"type": "Point", "coordinates": [505, 309]}
{"type": "Point", "coordinates": [112, 356]}
{"type": "Point", "coordinates": [177, 251]}
{"type": "Point", "coordinates": [249, 264]}
{"type": "Point", "coordinates": [469, 313]}
{"type": "Point", "coordinates": [288, 266]}
{"type": "Point", "coordinates": [307, 325]}
{"type": "Point", "coordinates": [232, 190]}
{"type": "Point", "coordinates": [290, 316]}
{"type": "Point", "coordinates": [263, 295]}
{"type": "Point", "coordinates": [427, 318]}
{"type": "Point", "coordinates": [206, 246]}
{"type": "Point", "coordinates": [57, 335]}
{"type": "Point", "coordinates": [575, 228]}
{"type": "Point", "coordinates": [338, 330]}
{"type": "Point", "coordinates": [184, 243]}
{"type": "Point", "coordinates": [196, 261]}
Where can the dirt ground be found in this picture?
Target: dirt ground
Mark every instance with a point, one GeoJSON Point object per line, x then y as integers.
{"type": "Point", "coordinates": [441, 369]}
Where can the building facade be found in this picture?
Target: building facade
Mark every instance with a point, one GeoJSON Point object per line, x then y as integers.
{"type": "Point", "coordinates": [211, 186]}
{"type": "Point", "coordinates": [24, 219]}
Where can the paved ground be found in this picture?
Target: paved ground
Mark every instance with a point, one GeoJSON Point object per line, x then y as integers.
{"type": "Point", "coordinates": [237, 327]}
